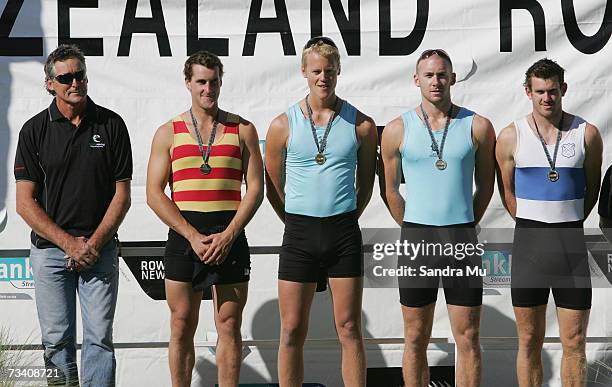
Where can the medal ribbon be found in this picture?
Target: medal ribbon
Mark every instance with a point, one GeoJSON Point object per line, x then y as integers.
{"type": "Point", "coordinates": [211, 138]}
{"type": "Point", "coordinates": [551, 161]}
{"type": "Point", "coordinates": [434, 143]}
{"type": "Point", "coordinates": [320, 147]}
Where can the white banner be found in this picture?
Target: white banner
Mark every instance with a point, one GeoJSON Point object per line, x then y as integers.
{"type": "Point", "coordinates": [135, 54]}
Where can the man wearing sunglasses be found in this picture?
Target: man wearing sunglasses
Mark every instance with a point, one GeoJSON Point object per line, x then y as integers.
{"type": "Point", "coordinates": [320, 163]}
{"type": "Point", "coordinates": [443, 151]}
{"type": "Point", "coordinates": [73, 169]}
{"type": "Point", "coordinates": [549, 165]}
{"type": "Point", "coordinates": [203, 154]}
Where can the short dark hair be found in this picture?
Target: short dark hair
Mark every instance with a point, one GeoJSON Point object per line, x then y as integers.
{"type": "Point", "coordinates": [545, 69]}
{"type": "Point", "coordinates": [60, 54]}
{"type": "Point", "coordinates": [204, 58]}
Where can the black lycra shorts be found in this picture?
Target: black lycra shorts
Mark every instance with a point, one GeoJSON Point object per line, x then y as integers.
{"type": "Point", "coordinates": [421, 290]}
{"type": "Point", "coordinates": [315, 249]}
{"type": "Point", "coordinates": [182, 264]}
{"type": "Point", "coordinates": [549, 256]}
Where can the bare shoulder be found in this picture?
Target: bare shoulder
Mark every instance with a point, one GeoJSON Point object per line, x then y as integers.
{"type": "Point", "coordinates": [591, 130]}
{"type": "Point", "coordinates": [245, 127]}
{"type": "Point", "coordinates": [394, 128]}
{"type": "Point", "coordinates": [482, 130]}
{"type": "Point", "coordinates": [507, 135]}
{"type": "Point", "coordinates": [506, 143]}
{"type": "Point", "coordinates": [164, 134]}
{"type": "Point", "coordinates": [592, 138]}
{"type": "Point", "coordinates": [482, 123]}
{"type": "Point", "coordinates": [365, 125]}
{"type": "Point", "coordinates": [166, 128]}
{"type": "Point", "coordinates": [279, 125]}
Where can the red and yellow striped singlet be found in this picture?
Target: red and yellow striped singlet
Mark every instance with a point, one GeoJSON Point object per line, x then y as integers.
{"type": "Point", "coordinates": [191, 189]}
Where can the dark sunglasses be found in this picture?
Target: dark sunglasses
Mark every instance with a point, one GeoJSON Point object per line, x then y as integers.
{"type": "Point", "coordinates": [436, 51]}
{"type": "Point", "coordinates": [322, 39]}
{"type": "Point", "coordinates": [66, 79]}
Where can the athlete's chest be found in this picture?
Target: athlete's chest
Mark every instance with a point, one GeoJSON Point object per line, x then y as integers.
{"type": "Point", "coordinates": [419, 145]}
{"type": "Point", "coordinates": [339, 143]}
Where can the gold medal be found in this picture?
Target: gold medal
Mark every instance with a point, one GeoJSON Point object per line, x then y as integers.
{"type": "Point", "coordinates": [553, 175]}
{"type": "Point", "coordinates": [441, 164]}
{"type": "Point", "coordinates": [320, 158]}
{"type": "Point", "coordinates": [438, 150]}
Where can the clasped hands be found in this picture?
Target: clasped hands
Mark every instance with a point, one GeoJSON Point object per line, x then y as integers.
{"type": "Point", "coordinates": [80, 253]}
{"type": "Point", "coordinates": [212, 249]}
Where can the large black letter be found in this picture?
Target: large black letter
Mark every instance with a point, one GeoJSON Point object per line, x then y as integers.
{"type": "Point", "coordinates": [219, 46]}
{"type": "Point", "coordinates": [258, 24]}
{"type": "Point", "coordinates": [139, 25]}
{"type": "Point", "coordinates": [505, 23]}
{"type": "Point", "coordinates": [349, 27]}
{"type": "Point", "coordinates": [16, 46]}
{"type": "Point", "coordinates": [407, 44]}
{"type": "Point", "coordinates": [586, 44]}
{"type": "Point", "coordinates": [90, 46]}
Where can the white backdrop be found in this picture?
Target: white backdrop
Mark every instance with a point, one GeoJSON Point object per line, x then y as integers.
{"type": "Point", "coordinates": [147, 89]}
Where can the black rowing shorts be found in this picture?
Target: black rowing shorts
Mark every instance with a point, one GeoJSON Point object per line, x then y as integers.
{"type": "Point", "coordinates": [317, 248]}
{"type": "Point", "coordinates": [549, 256]}
{"type": "Point", "coordinates": [460, 287]}
{"type": "Point", "coordinates": [182, 264]}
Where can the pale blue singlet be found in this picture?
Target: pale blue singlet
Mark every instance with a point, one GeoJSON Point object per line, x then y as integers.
{"type": "Point", "coordinates": [434, 197]}
{"type": "Point", "coordinates": [321, 190]}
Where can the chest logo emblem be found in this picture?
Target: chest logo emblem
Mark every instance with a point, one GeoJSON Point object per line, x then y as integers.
{"type": "Point", "coordinates": [568, 150]}
{"type": "Point", "coordinates": [96, 141]}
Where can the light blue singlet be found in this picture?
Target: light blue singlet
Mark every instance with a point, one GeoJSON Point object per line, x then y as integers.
{"type": "Point", "coordinates": [321, 190]}
{"type": "Point", "coordinates": [434, 197]}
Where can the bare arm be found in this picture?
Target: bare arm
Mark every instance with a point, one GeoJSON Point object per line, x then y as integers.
{"type": "Point", "coordinates": [115, 213]}
{"type": "Point", "coordinates": [158, 172]}
{"type": "Point", "coordinates": [484, 171]}
{"type": "Point", "coordinates": [592, 167]}
{"type": "Point", "coordinates": [33, 214]}
{"type": "Point", "coordinates": [504, 155]}
{"type": "Point", "coordinates": [390, 150]}
{"type": "Point", "coordinates": [366, 160]}
{"type": "Point", "coordinates": [252, 166]}
{"type": "Point", "coordinates": [380, 171]}
{"type": "Point", "coordinates": [276, 149]}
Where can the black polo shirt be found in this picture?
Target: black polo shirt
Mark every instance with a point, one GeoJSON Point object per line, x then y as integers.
{"type": "Point", "coordinates": [74, 168]}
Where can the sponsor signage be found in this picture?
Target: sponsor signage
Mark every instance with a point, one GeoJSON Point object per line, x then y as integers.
{"type": "Point", "coordinates": [496, 264]}
{"type": "Point", "coordinates": [17, 272]}
{"type": "Point", "coordinates": [149, 273]}
{"type": "Point", "coordinates": [602, 257]}
{"type": "Point", "coordinates": [347, 15]}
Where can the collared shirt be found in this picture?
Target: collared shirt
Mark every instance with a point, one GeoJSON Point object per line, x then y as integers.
{"type": "Point", "coordinates": [75, 168]}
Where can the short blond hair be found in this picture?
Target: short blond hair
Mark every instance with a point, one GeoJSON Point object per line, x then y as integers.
{"type": "Point", "coordinates": [325, 50]}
